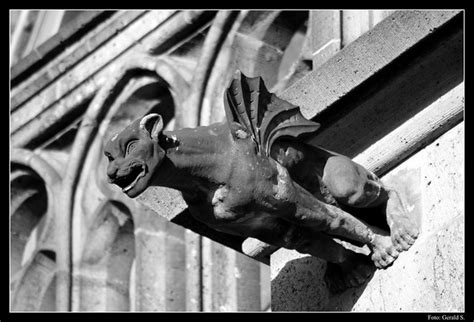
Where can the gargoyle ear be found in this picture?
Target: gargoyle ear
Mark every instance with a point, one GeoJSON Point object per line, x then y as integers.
{"type": "Point", "coordinates": [153, 124]}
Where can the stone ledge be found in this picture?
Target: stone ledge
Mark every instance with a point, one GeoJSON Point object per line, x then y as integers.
{"type": "Point", "coordinates": [365, 57]}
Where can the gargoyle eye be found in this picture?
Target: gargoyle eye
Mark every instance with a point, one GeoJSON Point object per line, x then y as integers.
{"type": "Point", "coordinates": [131, 145]}
{"type": "Point", "coordinates": [109, 157]}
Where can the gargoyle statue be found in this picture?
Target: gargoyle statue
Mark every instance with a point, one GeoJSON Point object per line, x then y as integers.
{"type": "Point", "coordinates": [253, 176]}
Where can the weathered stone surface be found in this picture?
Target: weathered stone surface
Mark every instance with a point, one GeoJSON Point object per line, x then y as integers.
{"type": "Point", "coordinates": [377, 16]}
{"type": "Point", "coordinates": [37, 276]}
{"type": "Point", "coordinates": [429, 277]}
{"type": "Point", "coordinates": [231, 280]}
{"type": "Point", "coordinates": [325, 34]}
{"type": "Point", "coordinates": [102, 279]}
{"type": "Point", "coordinates": [354, 24]}
{"type": "Point", "coordinates": [68, 93]}
{"type": "Point", "coordinates": [399, 94]}
{"type": "Point", "coordinates": [87, 68]}
{"type": "Point", "coordinates": [415, 133]}
{"type": "Point", "coordinates": [364, 57]}
{"type": "Point", "coordinates": [71, 55]}
{"type": "Point", "coordinates": [160, 270]}
{"type": "Point", "coordinates": [150, 272]}
{"type": "Point", "coordinates": [168, 202]}
{"type": "Point", "coordinates": [39, 54]}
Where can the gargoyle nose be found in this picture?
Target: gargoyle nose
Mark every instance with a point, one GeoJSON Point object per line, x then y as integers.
{"type": "Point", "coordinates": [111, 173]}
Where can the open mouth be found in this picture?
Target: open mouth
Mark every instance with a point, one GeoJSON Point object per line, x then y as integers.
{"type": "Point", "coordinates": [128, 181]}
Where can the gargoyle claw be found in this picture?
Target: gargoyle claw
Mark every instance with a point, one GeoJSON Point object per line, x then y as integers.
{"type": "Point", "coordinates": [403, 239]}
{"type": "Point", "coordinates": [384, 253]}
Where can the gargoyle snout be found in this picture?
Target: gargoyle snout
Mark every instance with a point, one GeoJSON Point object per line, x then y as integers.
{"type": "Point", "coordinates": [112, 173]}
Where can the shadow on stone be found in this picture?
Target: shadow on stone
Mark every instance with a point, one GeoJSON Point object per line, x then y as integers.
{"type": "Point", "coordinates": [300, 286]}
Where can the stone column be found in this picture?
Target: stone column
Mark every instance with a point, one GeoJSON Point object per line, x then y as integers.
{"type": "Point", "coordinates": [231, 280]}
{"type": "Point", "coordinates": [160, 269]}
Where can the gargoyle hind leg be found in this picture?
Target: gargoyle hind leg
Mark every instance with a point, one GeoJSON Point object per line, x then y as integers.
{"type": "Point", "coordinates": [334, 221]}
{"type": "Point", "coordinates": [344, 269]}
{"type": "Point", "coordinates": [403, 227]}
{"type": "Point", "coordinates": [354, 186]}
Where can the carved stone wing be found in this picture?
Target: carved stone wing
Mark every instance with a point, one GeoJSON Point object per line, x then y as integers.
{"type": "Point", "coordinates": [263, 115]}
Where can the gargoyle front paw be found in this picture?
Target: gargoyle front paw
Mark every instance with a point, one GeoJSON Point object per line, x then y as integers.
{"type": "Point", "coordinates": [384, 253]}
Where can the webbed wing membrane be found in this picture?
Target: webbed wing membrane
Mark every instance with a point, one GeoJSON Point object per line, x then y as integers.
{"type": "Point", "coordinates": [263, 115]}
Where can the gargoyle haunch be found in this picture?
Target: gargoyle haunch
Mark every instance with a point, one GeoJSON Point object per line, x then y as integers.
{"type": "Point", "coordinates": [254, 176]}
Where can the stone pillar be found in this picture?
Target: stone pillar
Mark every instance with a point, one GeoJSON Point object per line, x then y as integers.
{"type": "Point", "coordinates": [103, 277]}
{"type": "Point", "coordinates": [36, 279]}
{"type": "Point", "coordinates": [193, 273]}
{"type": "Point", "coordinates": [160, 283]}
{"type": "Point", "coordinates": [231, 281]}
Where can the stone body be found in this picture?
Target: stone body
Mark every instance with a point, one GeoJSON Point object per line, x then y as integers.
{"type": "Point", "coordinates": [253, 176]}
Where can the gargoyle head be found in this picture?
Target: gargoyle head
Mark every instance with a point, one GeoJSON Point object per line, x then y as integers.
{"type": "Point", "coordinates": [134, 154]}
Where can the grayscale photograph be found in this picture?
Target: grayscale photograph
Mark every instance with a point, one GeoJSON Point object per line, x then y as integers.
{"type": "Point", "coordinates": [237, 161]}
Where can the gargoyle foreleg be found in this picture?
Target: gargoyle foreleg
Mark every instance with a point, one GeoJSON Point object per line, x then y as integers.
{"type": "Point", "coordinates": [302, 208]}
{"type": "Point", "coordinates": [281, 233]}
{"type": "Point", "coordinates": [311, 212]}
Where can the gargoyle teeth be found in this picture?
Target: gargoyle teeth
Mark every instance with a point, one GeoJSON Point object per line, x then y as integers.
{"type": "Point", "coordinates": [130, 186]}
